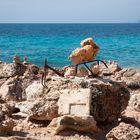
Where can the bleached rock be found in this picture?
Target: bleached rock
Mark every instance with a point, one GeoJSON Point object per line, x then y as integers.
{"type": "Point", "coordinates": [11, 90]}
{"type": "Point", "coordinates": [77, 123]}
{"type": "Point", "coordinates": [34, 91]}
{"type": "Point", "coordinates": [75, 102]}
{"type": "Point", "coordinates": [135, 102]}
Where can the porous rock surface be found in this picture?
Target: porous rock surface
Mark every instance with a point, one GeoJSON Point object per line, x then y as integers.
{"type": "Point", "coordinates": [81, 124]}
{"type": "Point", "coordinates": [6, 123]}
{"type": "Point", "coordinates": [32, 107]}
{"type": "Point", "coordinates": [124, 132]}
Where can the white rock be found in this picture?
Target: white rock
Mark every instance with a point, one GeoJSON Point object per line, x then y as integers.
{"type": "Point", "coordinates": [35, 90]}
{"type": "Point", "coordinates": [74, 102]}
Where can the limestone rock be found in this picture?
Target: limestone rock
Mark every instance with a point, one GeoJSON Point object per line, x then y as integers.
{"type": "Point", "coordinates": [9, 70]}
{"type": "Point", "coordinates": [74, 102]}
{"type": "Point", "coordinates": [31, 70]}
{"type": "Point", "coordinates": [112, 68]}
{"type": "Point", "coordinates": [124, 132]}
{"type": "Point", "coordinates": [86, 53]}
{"type": "Point", "coordinates": [4, 111]}
{"type": "Point", "coordinates": [135, 102]}
{"type": "Point", "coordinates": [6, 126]}
{"type": "Point", "coordinates": [80, 124]}
{"type": "Point", "coordinates": [129, 72]}
{"type": "Point", "coordinates": [89, 53]}
{"type": "Point", "coordinates": [82, 72]}
{"type": "Point", "coordinates": [11, 90]}
{"type": "Point", "coordinates": [109, 98]}
{"type": "Point", "coordinates": [95, 69]}
{"type": "Point", "coordinates": [87, 41]}
{"type": "Point", "coordinates": [25, 106]}
{"type": "Point", "coordinates": [44, 109]}
{"type": "Point", "coordinates": [78, 56]}
{"type": "Point", "coordinates": [33, 91]}
{"type": "Point", "coordinates": [131, 116]}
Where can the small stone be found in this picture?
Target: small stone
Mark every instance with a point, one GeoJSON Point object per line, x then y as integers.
{"type": "Point", "coordinates": [25, 62]}
{"type": "Point", "coordinates": [16, 60]}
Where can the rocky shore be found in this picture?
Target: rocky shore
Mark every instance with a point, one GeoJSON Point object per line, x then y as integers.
{"type": "Point", "coordinates": [70, 107]}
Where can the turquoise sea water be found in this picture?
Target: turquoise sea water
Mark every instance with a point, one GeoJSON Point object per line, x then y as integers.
{"type": "Point", "coordinates": [118, 42]}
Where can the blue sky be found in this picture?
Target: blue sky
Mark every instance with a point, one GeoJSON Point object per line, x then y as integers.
{"type": "Point", "coordinates": [69, 11]}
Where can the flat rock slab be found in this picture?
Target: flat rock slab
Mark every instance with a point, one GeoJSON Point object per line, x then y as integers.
{"type": "Point", "coordinates": [77, 123]}
{"type": "Point", "coordinates": [74, 102]}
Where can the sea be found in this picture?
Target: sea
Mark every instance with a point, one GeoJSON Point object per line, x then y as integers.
{"type": "Point", "coordinates": [55, 42]}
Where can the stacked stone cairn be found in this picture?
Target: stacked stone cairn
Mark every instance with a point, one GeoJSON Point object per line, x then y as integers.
{"type": "Point", "coordinates": [87, 53]}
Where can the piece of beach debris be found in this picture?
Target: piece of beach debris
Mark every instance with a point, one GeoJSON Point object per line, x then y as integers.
{"type": "Point", "coordinates": [70, 71]}
{"type": "Point", "coordinates": [86, 53]}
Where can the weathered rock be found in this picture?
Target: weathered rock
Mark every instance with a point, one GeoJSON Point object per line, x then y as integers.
{"type": "Point", "coordinates": [82, 72]}
{"type": "Point", "coordinates": [105, 93]}
{"type": "Point", "coordinates": [89, 56]}
{"type": "Point", "coordinates": [2, 81]}
{"type": "Point", "coordinates": [10, 70]}
{"type": "Point", "coordinates": [109, 98]}
{"type": "Point", "coordinates": [129, 72]}
{"type": "Point", "coordinates": [32, 69]}
{"type": "Point", "coordinates": [86, 53]}
{"type": "Point", "coordinates": [95, 69]}
{"type": "Point", "coordinates": [6, 126]}
{"type": "Point", "coordinates": [34, 91]}
{"type": "Point", "coordinates": [26, 106]}
{"type": "Point", "coordinates": [80, 124]}
{"type": "Point", "coordinates": [4, 111]}
{"type": "Point", "coordinates": [112, 68]}
{"type": "Point", "coordinates": [87, 41]}
{"type": "Point", "coordinates": [124, 132]}
{"type": "Point", "coordinates": [133, 84]}
{"type": "Point", "coordinates": [78, 56]}
{"type": "Point", "coordinates": [44, 109]}
{"type": "Point", "coordinates": [135, 102]}
{"type": "Point", "coordinates": [131, 116]}
{"type": "Point", "coordinates": [75, 102]}
{"type": "Point", "coordinates": [11, 90]}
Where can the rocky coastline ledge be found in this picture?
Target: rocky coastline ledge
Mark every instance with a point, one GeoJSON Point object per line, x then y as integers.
{"type": "Point", "coordinates": [70, 107]}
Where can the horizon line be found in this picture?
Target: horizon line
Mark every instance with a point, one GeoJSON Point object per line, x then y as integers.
{"type": "Point", "coordinates": [70, 23]}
